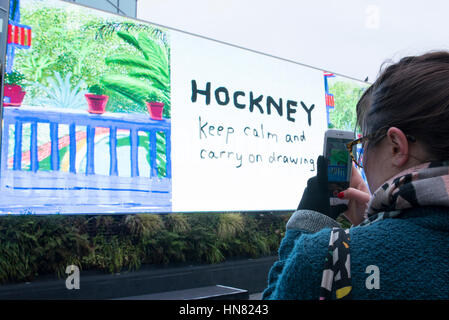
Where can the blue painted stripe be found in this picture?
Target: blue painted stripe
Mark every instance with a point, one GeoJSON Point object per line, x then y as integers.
{"type": "Point", "coordinates": [54, 160]}
{"type": "Point", "coordinates": [168, 153]}
{"type": "Point", "coordinates": [134, 142]}
{"type": "Point", "coordinates": [14, 23]}
{"type": "Point", "coordinates": [5, 145]}
{"type": "Point", "coordinates": [113, 171]}
{"type": "Point", "coordinates": [17, 165]}
{"type": "Point", "coordinates": [18, 46]}
{"type": "Point", "coordinates": [72, 134]}
{"type": "Point", "coordinates": [83, 188]}
{"type": "Point", "coordinates": [90, 153]}
{"type": "Point", "coordinates": [153, 152]}
{"type": "Point", "coordinates": [33, 148]}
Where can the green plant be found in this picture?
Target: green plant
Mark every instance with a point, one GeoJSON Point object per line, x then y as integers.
{"type": "Point", "coordinates": [96, 89]}
{"type": "Point", "coordinates": [33, 245]}
{"type": "Point", "coordinates": [112, 254]}
{"type": "Point", "coordinates": [15, 78]}
{"type": "Point", "coordinates": [230, 225]}
{"type": "Point", "coordinates": [143, 225]}
{"type": "Point", "coordinates": [61, 94]}
{"type": "Point", "coordinates": [148, 74]}
{"type": "Point", "coordinates": [35, 68]}
{"type": "Point", "coordinates": [177, 223]}
{"type": "Point", "coordinates": [153, 96]}
{"type": "Point", "coordinates": [347, 94]}
{"type": "Point", "coordinates": [62, 44]}
{"type": "Point", "coordinates": [106, 29]}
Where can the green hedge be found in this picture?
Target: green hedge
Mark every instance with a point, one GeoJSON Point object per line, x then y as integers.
{"type": "Point", "coordinates": [37, 245]}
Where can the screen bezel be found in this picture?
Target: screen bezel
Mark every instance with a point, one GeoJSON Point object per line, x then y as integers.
{"type": "Point", "coordinates": [334, 187]}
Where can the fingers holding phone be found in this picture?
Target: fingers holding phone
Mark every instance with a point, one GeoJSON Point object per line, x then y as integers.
{"type": "Point", "coordinates": [336, 175]}
{"type": "Point", "coordinates": [358, 195]}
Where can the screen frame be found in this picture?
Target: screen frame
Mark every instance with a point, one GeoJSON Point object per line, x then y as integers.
{"type": "Point", "coordinates": [338, 135]}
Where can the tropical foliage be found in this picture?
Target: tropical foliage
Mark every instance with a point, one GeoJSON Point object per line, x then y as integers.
{"type": "Point", "coordinates": [346, 94]}
{"type": "Point", "coordinates": [154, 97]}
{"type": "Point", "coordinates": [96, 89]}
{"type": "Point", "coordinates": [31, 246]}
{"type": "Point", "coordinates": [72, 41]}
{"type": "Point", "coordinates": [36, 68]}
{"type": "Point", "coordinates": [106, 29]}
{"type": "Point", "coordinates": [15, 78]}
{"type": "Point", "coordinates": [61, 94]}
{"type": "Point", "coordinates": [147, 74]}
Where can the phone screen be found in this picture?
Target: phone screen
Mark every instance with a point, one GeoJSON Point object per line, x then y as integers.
{"type": "Point", "coordinates": [339, 165]}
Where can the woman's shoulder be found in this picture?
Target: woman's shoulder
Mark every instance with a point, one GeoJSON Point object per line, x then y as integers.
{"type": "Point", "coordinates": [312, 230]}
{"type": "Point", "coordinates": [384, 243]}
{"type": "Point", "coordinates": [429, 217]}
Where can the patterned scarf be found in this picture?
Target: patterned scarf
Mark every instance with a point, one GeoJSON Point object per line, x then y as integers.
{"type": "Point", "coordinates": [426, 184]}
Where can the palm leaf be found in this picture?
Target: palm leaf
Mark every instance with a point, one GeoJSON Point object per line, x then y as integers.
{"type": "Point", "coordinates": [131, 88]}
{"type": "Point", "coordinates": [152, 68]}
{"type": "Point", "coordinates": [154, 48]}
{"type": "Point", "coordinates": [108, 28]}
{"type": "Point", "coordinates": [166, 97]}
{"type": "Point", "coordinates": [128, 60]}
{"type": "Point", "coordinates": [156, 53]}
{"type": "Point", "coordinates": [130, 39]}
{"type": "Point", "coordinates": [154, 77]}
{"type": "Point", "coordinates": [146, 68]}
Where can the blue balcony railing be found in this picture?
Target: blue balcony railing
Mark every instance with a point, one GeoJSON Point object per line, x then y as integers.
{"type": "Point", "coordinates": [132, 122]}
{"type": "Point", "coordinates": [136, 189]}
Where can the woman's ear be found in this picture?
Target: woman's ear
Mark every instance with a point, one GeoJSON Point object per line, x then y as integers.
{"type": "Point", "coordinates": [398, 144]}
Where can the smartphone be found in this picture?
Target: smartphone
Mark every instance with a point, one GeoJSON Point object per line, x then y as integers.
{"type": "Point", "coordinates": [339, 163]}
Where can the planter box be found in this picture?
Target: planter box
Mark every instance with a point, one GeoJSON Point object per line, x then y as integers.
{"type": "Point", "coordinates": [249, 274]}
{"type": "Point", "coordinates": [155, 109]}
{"type": "Point", "coordinates": [13, 95]}
{"type": "Point", "coordinates": [96, 103]}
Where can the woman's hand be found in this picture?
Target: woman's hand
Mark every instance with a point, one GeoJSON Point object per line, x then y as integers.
{"type": "Point", "coordinates": [358, 195]}
{"type": "Point", "coordinates": [316, 195]}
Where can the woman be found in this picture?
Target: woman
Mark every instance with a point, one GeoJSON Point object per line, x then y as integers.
{"type": "Point", "coordinates": [398, 245]}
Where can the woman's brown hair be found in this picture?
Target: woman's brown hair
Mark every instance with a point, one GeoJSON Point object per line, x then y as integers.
{"type": "Point", "coordinates": [412, 95]}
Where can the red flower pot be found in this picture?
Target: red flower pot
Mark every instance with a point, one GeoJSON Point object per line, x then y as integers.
{"type": "Point", "coordinates": [13, 95]}
{"type": "Point", "coordinates": [96, 103]}
{"type": "Point", "coordinates": [155, 109]}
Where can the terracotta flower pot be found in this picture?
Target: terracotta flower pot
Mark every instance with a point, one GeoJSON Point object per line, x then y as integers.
{"type": "Point", "coordinates": [13, 95]}
{"type": "Point", "coordinates": [155, 109]}
{"type": "Point", "coordinates": [96, 103]}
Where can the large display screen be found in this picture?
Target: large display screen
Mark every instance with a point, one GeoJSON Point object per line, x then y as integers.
{"type": "Point", "coordinates": [106, 114]}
